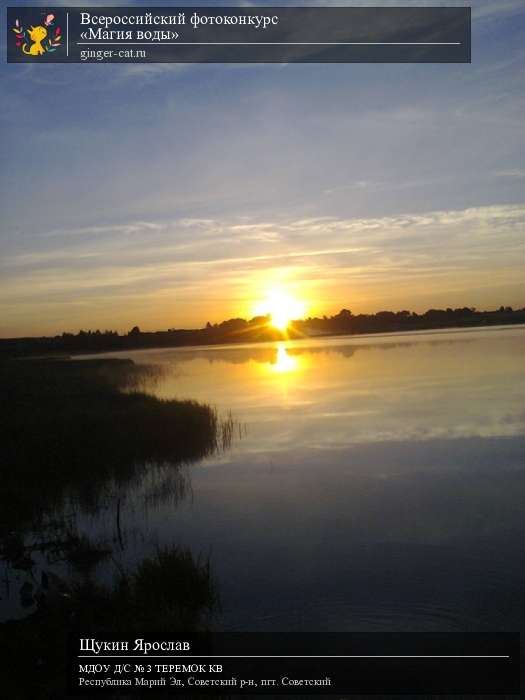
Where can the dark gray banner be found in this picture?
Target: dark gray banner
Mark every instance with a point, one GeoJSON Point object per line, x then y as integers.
{"type": "Point", "coordinates": [238, 35]}
{"type": "Point", "coordinates": [300, 664]}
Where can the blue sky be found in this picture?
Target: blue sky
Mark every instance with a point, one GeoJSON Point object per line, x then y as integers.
{"type": "Point", "coordinates": [169, 195]}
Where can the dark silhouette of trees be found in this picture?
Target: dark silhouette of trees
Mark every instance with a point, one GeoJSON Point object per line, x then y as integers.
{"type": "Point", "coordinates": [259, 328]}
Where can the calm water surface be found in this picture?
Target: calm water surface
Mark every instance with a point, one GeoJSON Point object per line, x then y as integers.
{"type": "Point", "coordinates": [379, 482]}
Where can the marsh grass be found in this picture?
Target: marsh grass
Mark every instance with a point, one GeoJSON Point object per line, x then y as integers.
{"type": "Point", "coordinates": [70, 432]}
{"type": "Point", "coordinates": [72, 427]}
{"type": "Point", "coordinates": [170, 590]}
{"type": "Point", "coordinates": [169, 595]}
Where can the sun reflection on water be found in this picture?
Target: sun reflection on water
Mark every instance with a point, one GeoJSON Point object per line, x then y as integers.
{"type": "Point", "coordinates": [284, 362]}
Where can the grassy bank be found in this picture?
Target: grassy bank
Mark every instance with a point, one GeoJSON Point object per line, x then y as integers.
{"type": "Point", "coordinates": [72, 432]}
{"type": "Point", "coordinates": [71, 427]}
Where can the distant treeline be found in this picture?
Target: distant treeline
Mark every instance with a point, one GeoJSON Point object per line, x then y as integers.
{"type": "Point", "coordinates": [259, 328]}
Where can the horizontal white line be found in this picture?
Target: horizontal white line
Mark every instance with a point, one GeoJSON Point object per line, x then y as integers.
{"type": "Point", "coordinates": [272, 43]}
{"type": "Point", "coordinates": [315, 656]}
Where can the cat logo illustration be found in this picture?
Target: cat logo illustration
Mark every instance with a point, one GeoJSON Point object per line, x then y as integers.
{"type": "Point", "coordinates": [39, 40]}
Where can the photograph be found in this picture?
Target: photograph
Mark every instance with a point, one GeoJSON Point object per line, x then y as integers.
{"type": "Point", "coordinates": [262, 349]}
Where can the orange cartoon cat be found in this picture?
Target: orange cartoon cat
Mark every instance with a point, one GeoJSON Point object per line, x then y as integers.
{"type": "Point", "coordinates": [37, 36]}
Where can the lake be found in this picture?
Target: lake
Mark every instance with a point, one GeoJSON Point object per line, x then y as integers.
{"type": "Point", "coordinates": [377, 483]}
{"type": "Point", "coordinates": [373, 483]}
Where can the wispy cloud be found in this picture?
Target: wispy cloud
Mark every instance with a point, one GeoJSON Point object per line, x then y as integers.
{"type": "Point", "coordinates": [182, 262]}
{"type": "Point", "coordinates": [514, 173]}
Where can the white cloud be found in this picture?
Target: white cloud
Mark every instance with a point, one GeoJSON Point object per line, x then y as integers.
{"type": "Point", "coordinates": [514, 173]}
{"type": "Point", "coordinates": [451, 247]}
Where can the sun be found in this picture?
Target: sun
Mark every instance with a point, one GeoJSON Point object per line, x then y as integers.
{"type": "Point", "coordinates": [282, 309]}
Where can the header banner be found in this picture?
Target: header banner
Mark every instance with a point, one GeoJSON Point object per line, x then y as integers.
{"type": "Point", "coordinates": [238, 35]}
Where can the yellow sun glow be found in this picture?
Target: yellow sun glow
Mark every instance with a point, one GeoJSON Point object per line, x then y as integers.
{"type": "Point", "coordinates": [282, 308]}
{"type": "Point", "coordinates": [284, 362]}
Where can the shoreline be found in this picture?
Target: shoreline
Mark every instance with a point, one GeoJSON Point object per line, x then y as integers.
{"type": "Point", "coordinates": [302, 341]}
{"type": "Point", "coordinates": [229, 343]}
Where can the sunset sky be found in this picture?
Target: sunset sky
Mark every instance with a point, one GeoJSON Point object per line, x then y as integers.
{"type": "Point", "coordinates": [172, 195]}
